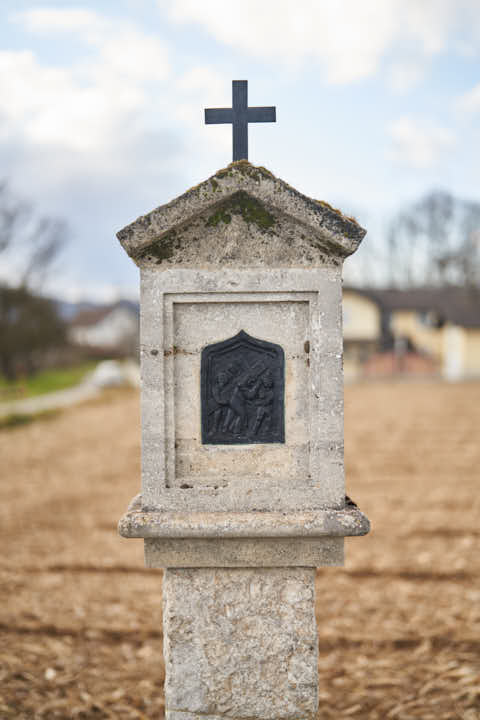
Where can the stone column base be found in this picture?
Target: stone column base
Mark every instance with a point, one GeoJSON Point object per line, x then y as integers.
{"type": "Point", "coordinates": [240, 643]}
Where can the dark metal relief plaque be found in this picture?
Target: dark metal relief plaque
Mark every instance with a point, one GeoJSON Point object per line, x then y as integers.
{"type": "Point", "coordinates": [243, 388]}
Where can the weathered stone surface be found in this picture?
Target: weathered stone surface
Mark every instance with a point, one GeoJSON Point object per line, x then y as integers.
{"type": "Point", "coordinates": [334, 523]}
{"type": "Point", "coordinates": [185, 310]}
{"type": "Point", "coordinates": [243, 539]}
{"type": "Point", "coordinates": [241, 217]}
{"type": "Point", "coordinates": [240, 643]}
{"type": "Point", "coordinates": [244, 552]}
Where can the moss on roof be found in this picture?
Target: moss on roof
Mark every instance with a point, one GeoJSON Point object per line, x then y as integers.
{"type": "Point", "coordinates": [257, 171]}
{"type": "Point", "coordinates": [324, 203]}
{"type": "Point", "coordinates": [218, 194]}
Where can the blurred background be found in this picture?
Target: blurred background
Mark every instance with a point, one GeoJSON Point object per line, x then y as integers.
{"type": "Point", "coordinates": [101, 120]}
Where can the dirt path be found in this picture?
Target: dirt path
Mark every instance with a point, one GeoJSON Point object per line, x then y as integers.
{"type": "Point", "coordinates": [50, 401]}
{"type": "Point", "coordinates": [399, 628]}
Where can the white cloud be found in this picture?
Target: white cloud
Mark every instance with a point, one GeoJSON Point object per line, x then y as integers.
{"type": "Point", "coordinates": [135, 55]}
{"type": "Point", "coordinates": [469, 102]}
{"type": "Point", "coordinates": [466, 49]}
{"type": "Point", "coordinates": [123, 49]}
{"type": "Point", "coordinates": [280, 30]}
{"type": "Point", "coordinates": [55, 19]}
{"type": "Point", "coordinates": [348, 38]}
{"type": "Point", "coordinates": [419, 145]}
{"type": "Point", "coordinates": [115, 110]}
{"type": "Point", "coordinates": [427, 23]}
{"type": "Point", "coordinates": [404, 76]}
{"type": "Point", "coordinates": [84, 106]}
{"type": "Point", "coordinates": [90, 139]}
{"type": "Point", "coordinates": [200, 87]}
{"type": "Point", "coordinates": [48, 105]}
{"type": "Point", "coordinates": [103, 136]}
{"type": "Point", "coordinates": [202, 79]}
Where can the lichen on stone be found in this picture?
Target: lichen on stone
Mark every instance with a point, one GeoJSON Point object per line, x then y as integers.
{"type": "Point", "coordinates": [324, 203]}
{"type": "Point", "coordinates": [224, 172]}
{"type": "Point", "coordinates": [219, 216]}
{"type": "Point", "coordinates": [239, 190]}
{"type": "Point", "coordinates": [163, 248]}
{"type": "Point", "coordinates": [251, 210]}
{"type": "Point", "coordinates": [245, 168]}
{"type": "Point", "coordinates": [253, 171]}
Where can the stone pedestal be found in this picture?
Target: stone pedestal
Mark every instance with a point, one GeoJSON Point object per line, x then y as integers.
{"type": "Point", "coordinates": [240, 643]}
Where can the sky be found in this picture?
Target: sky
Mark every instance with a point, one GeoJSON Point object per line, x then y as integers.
{"type": "Point", "coordinates": [101, 111]}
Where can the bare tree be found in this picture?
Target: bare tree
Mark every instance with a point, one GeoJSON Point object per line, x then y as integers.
{"type": "Point", "coordinates": [435, 241]}
{"type": "Point", "coordinates": [29, 244]}
{"type": "Point", "coordinates": [466, 261]}
{"type": "Point", "coordinates": [29, 323]}
{"type": "Point", "coordinates": [30, 328]}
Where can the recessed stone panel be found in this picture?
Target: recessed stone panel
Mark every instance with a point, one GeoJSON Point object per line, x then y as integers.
{"type": "Point", "coordinates": [282, 325]}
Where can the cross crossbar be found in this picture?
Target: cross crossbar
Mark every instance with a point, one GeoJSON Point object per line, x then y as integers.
{"type": "Point", "coordinates": [239, 115]}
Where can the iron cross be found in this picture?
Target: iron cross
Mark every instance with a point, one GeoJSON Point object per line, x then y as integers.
{"type": "Point", "coordinates": [239, 115]}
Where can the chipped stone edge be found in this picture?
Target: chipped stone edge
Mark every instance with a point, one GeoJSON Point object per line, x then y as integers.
{"type": "Point", "coordinates": [347, 522]}
{"type": "Point", "coordinates": [328, 222]}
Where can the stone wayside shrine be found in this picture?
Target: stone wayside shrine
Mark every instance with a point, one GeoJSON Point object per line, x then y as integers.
{"type": "Point", "coordinates": [243, 490]}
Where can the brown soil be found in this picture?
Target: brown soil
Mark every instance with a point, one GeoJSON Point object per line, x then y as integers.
{"type": "Point", "coordinates": [399, 628]}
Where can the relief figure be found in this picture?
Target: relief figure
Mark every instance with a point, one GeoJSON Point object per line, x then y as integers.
{"type": "Point", "coordinates": [242, 391]}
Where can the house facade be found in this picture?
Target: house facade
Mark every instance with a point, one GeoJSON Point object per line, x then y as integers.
{"type": "Point", "coordinates": [433, 331]}
{"type": "Point", "coordinates": [111, 329]}
{"type": "Point", "coordinates": [362, 331]}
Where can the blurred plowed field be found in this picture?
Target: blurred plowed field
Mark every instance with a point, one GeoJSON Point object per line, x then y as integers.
{"type": "Point", "coordinates": [399, 627]}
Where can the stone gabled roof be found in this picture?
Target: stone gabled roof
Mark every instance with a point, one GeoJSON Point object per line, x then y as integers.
{"type": "Point", "coordinates": [257, 193]}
